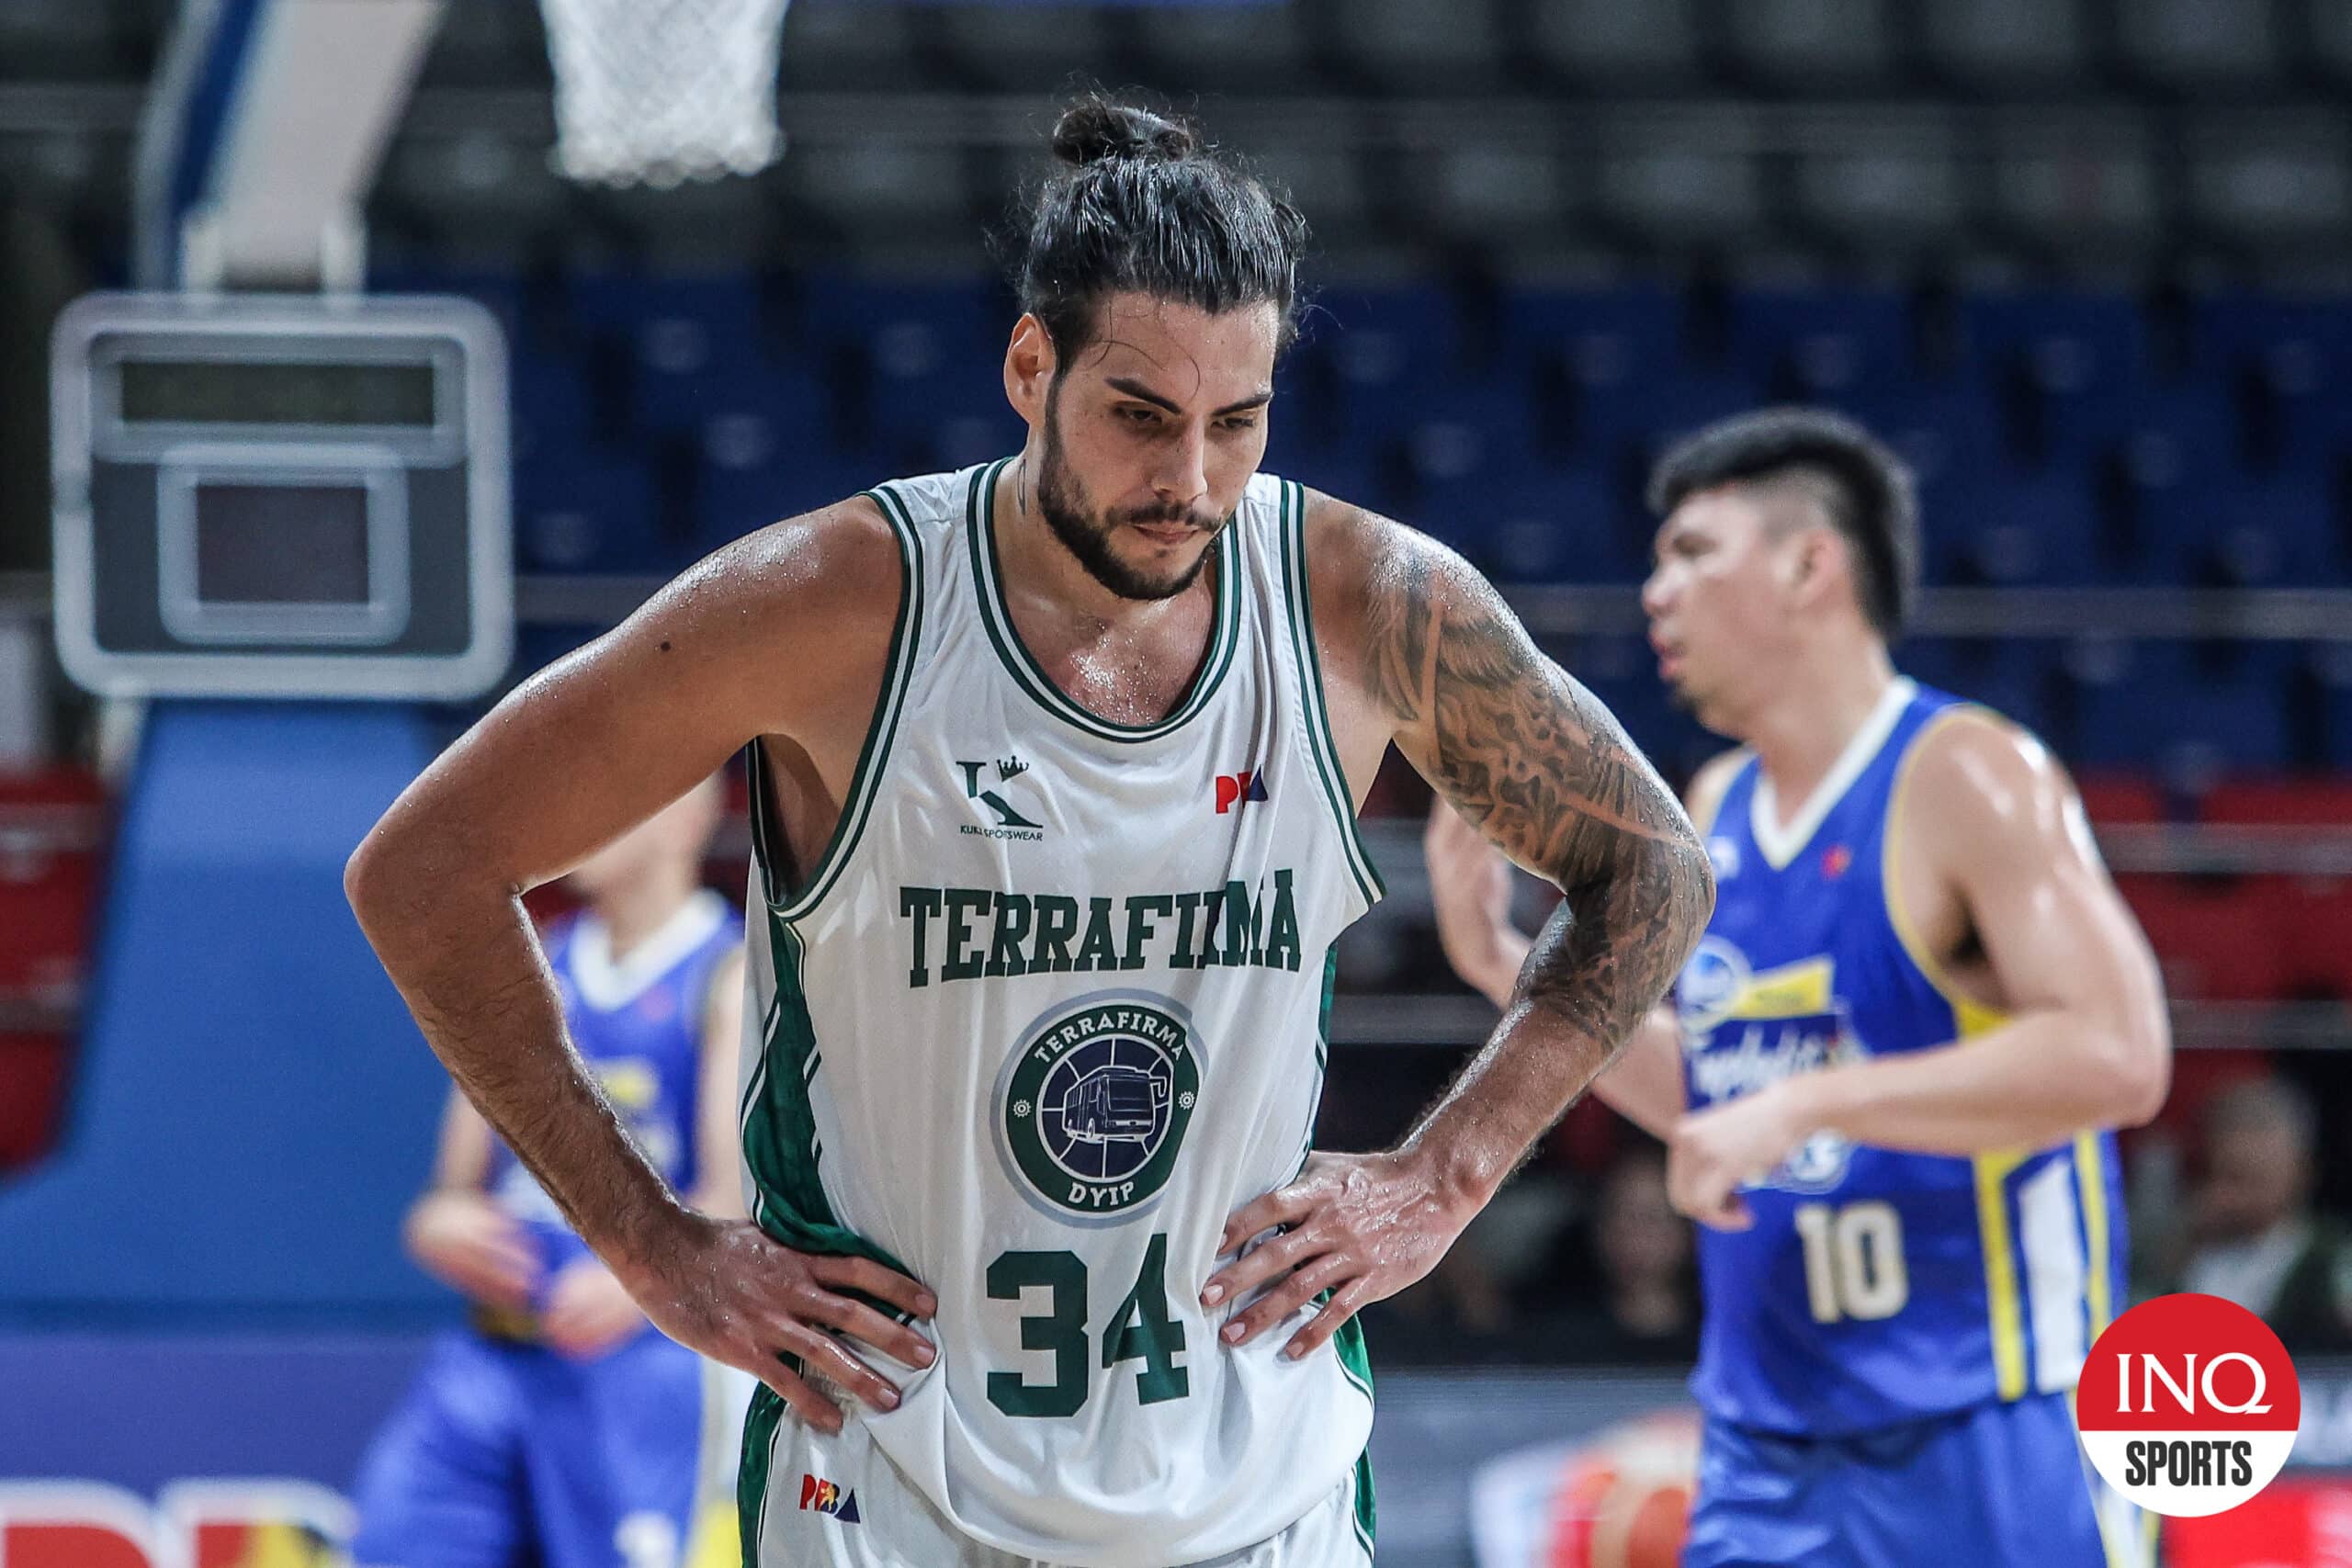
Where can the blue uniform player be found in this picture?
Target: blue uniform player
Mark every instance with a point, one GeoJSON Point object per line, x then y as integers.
{"type": "Point", "coordinates": [560, 1427]}
{"type": "Point", "coordinates": [1887, 1076]}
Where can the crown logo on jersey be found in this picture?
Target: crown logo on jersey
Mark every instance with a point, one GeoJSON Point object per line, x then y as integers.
{"type": "Point", "coordinates": [1010, 821]}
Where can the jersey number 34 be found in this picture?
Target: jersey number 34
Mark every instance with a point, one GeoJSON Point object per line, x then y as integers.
{"type": "Point", "coordinates": [1139, 1330]}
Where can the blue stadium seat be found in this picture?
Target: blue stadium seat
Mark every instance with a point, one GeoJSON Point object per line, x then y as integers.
{"type": "Point", "coordinates": [2062, 337]}
{"type": "Point", "coordinates": [726, 304]}
{"type": "Point", "coordinates": [2209, 529]}
{"type": "Point", "coordinates": [2332, 662]}
{"type": "Point", "coordinates": [1830, 343]}
{"type": "Point", "coordinates": [2293, 355]}
{"type": "Point", "coordinates": [2148, 704]}
{"type": "Point", "coordinates": [2193, 424]}
{"type": "Point", "coordinates": [2034, 528]}
{"type": "Point", "coordinates": [1384, 335]}
{"type": "Point", "coordinates": [1949, 432]}
{"type": "Point", "coordinates": [1563, 525]}
{"type": "Point", "coordinates": [1645, 411]}
{"type": "Point", "coordinates": [551, 405]}
{"type": "Point", "coordinates": [673, 398]}
{"type": "Point", "coordinates": [1639, 324]}
{"type": "Point", "coordinates": [584, 510]}
{"type": "Point", "coordinates": [965, 318]}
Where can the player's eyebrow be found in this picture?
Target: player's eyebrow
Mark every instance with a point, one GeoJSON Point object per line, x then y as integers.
{"type": "Point", "coordinates": [1141, 393]}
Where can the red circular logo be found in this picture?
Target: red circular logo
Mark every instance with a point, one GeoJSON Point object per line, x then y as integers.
{"type": "Point", "coordinates": [2189, 1405]}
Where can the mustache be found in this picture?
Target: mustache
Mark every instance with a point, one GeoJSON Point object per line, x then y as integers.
{"type": "Point", "coordinates": [1160, 516]}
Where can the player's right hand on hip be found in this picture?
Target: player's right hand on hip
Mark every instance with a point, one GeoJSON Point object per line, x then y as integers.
{"type": "Point", "coordinates": [727, 1289]}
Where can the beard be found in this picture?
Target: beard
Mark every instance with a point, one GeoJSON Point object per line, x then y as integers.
{"type": "Point", "coordinates": [1085, 531]}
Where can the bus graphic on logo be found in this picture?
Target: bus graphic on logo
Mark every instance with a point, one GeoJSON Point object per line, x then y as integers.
{"type": "Point", "coordinates": [1113, 1102]}
{"type": "Point", "coordinates": [1096, 1103]}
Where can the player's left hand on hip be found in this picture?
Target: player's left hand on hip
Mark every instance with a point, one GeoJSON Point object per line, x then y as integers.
{"type": "Point", "coordinates": [1716, 1151]}
{"type": "Point", "coordinates": [589, 1311]}
{"type": "Point", "coordinates": [1362, 1226]}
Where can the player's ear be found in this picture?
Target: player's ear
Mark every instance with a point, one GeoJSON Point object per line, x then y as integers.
{"type": "Point", "coordinates": [1817, 564]}
{"type": "Point", "coordinates": [1029, 365]}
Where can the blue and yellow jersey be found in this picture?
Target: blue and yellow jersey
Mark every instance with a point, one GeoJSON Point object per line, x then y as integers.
{"type": "Point", "coordinates": [637, 1024]}
{"type": "Point", "coordinates": [1875, 1287]}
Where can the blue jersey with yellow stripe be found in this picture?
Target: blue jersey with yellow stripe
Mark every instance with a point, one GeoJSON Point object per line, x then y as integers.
{"type": "Point", "coordinates": [1875, 1286]}
{"type": "Point", "coordinates": [637, 1022]}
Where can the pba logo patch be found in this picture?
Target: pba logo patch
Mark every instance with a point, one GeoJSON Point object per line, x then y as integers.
{"type": "Point", "coordinates": [1239, 789]}
{"type": "Point", "coordinates": [1095, 1104]}
{"type": "Point", "coordinates": [823, 1497]}
{"type": "Point", "coordinates": [2189, 1405]}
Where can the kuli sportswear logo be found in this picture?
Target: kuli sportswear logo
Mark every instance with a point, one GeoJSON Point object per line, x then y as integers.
{"type": "Point", "coordinates": [1009, 823]}
{"type": "Point", "coordinates": [1239, 789]}
{"type": "Point", "coordinates": [825, 1497]}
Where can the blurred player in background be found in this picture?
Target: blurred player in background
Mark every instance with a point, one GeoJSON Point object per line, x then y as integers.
{"type": "Point", "coordinates": [1057, 762]}
{"type": "Point", "coordinates": [561, 1428]}
{"type": "Point", "coordinates": [1884, 1076]}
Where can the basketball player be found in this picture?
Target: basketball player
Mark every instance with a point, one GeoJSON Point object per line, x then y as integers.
{"type": "Point", "coordinates": [1057, 762]}
{"type": "Point", "coordinates": [1885, 1075]}
{"type": "Point", "coordinates": [560, 1427]}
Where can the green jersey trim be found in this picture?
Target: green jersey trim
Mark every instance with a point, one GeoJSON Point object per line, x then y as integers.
{"type": "Point", "coordinates": [761, 1425]}
{"type": "Point", "coordinates": [1355, 1360]}
{"type": "Point", "coordinates": [979, 521]}
{"type": "Point", "coordinates": [779, 1123]}
{"type": "Point", "coordinates": [1324, 749]}
{"type": "Point", "coordinates": [767, 838]}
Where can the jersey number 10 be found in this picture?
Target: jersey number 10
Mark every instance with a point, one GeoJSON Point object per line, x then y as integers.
{"type": "Point", "coordinates": [1853, 1261]}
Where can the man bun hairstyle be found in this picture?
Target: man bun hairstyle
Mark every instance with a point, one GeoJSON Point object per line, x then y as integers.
{"type": "Point", "coordinates": [1866, 489]}
{"type": "Point", "coordinates": [1142, 203]}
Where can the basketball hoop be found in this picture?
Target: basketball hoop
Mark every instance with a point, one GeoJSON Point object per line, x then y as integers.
{"type": "Point", "coordinates": [658, 91]}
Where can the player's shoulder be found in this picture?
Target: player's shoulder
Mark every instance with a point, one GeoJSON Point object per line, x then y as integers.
{"type": "Point", "coordinates": [1358, 558]}
{"type": "Point", "coordinates": [818, 575]}
{"type": "Point", "coordinates": [1974, 776]}
{"type": "Point", "coordinates": [1968, 746]}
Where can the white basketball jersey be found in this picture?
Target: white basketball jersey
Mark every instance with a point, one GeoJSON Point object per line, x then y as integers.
{"type": "Point", "coordinates": [1048, 1008]}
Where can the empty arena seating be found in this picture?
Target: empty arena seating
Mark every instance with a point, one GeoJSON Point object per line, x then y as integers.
{"type": "Point", "coordinates": [2064, 439]}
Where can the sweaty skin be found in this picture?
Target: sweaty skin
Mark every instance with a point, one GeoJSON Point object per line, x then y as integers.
{"type": "Point", "coordinates": [1143, 450]}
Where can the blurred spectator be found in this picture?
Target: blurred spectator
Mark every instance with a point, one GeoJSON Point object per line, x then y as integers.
{"type": "Point", "coordinates": [2255, 1238]}
{"type": "Point", "coordinates": [1645, 1308]}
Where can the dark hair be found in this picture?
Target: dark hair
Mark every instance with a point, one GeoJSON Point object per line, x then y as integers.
{"type": "Point", "coordinates": [1145, 205]}
{"type": "Point", "coordinates": [1867, 491]}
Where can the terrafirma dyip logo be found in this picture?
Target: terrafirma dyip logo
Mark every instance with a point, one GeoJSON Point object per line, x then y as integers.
{"type": "Point", "coordinates": [2189, 1405]}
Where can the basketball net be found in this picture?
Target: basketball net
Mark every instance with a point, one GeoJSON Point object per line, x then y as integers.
{"type": "Point", "coordinates": [658, 91]}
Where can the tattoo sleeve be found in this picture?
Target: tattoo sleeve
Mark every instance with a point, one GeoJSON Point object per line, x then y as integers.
{"type": "Point", "coordinates": [1533, 759]}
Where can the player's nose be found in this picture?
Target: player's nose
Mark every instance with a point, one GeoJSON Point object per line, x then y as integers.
{"type": "Point", "coordinates": [1183, 475]}
{"type": "Point", "coordinates": [1657, 592]}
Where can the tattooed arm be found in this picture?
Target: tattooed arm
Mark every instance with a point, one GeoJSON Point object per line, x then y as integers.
{"type": "Point", "coordinates": [1420, 651]}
